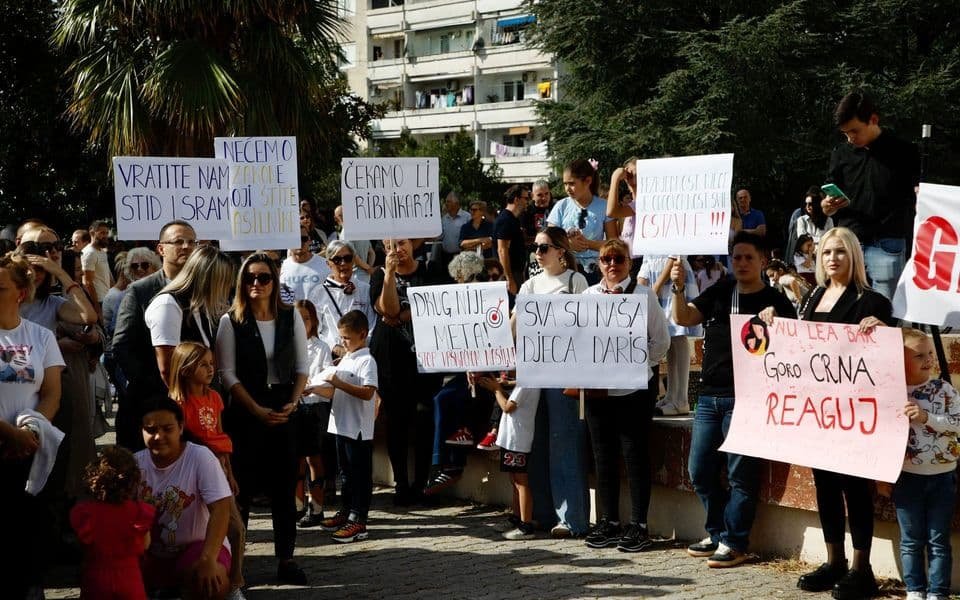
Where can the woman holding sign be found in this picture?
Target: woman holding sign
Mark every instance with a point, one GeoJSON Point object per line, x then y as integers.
{"type": "Point", "coordinates": [620, 425]}
{"type": "Point", "coordinates": [558, 475]}
{"type": "Point", "coordinates": [843, 296]}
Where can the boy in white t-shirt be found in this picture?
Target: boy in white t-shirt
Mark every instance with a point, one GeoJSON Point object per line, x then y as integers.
{"type": "Point", "coordinates": [351, 419]}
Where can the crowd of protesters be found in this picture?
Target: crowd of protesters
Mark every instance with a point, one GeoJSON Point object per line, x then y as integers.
{"type": "Point", "coordinates": [240, 377]}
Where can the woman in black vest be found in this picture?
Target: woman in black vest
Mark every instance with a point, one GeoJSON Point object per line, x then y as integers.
{"type": "Point", "coordinates": [262, 354]}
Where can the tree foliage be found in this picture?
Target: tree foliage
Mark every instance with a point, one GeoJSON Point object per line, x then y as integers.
{"type": "Point", "coordinates": [754, 78]}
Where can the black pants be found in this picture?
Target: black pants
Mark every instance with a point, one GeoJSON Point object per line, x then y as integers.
{"type": "Point", "coordinates": [620, 426]}
{"type": "Point", "coordinates": [264, 461]}
{"type": "Point", "coordinates": [25, 532]}
{"type": "Point", "coordinates": [408, 402]}
{"type": "Point", "coordinates": [832, 489]}
{"type": "Point", "coordinates": [356, 476]}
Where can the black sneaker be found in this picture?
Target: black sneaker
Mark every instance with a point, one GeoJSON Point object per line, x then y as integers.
{"type": "Point", "coordinates": [726, 557]}
{"type": "Point", "coordinates": [603, 535]}
{"type": "Point", "coordinates": [855, 585]}
{"type": "Point", "coordinates": [289, 573]}
{"type": "Point", "coordinates": [702, 549]}
{"type": "Point", "coordinates": [634, 539]}
{"type": "Point", "coordinates": [311, 519]}
{"type": "Point", "coordinates": [823, 579]}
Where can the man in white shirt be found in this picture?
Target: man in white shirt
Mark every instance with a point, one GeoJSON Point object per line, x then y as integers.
{"type": "Point", "coordinates": [93, 259]}
{"type": "Point", "coordinates": [302, 270]}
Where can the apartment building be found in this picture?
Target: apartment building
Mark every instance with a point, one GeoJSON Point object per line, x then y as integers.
{"type": "Point", "coordinates": [443, 65]}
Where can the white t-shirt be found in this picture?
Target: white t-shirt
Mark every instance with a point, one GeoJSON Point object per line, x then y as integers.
{"type": "Point", "coordinates": [516, 428]}
{"type": "Point", "coordinates": [94, 259]}
{"type": "Point", "coordinates": [544, 283]}
{"type": "Point", "coordinates": [650, 270]}
{"type": "Point", "coordinates": [181, 493]}
{"type": "Point", "coordinates": [25, 351]}
{"type": "Point", "coordinates": [331, 303]}
{"type": "Point", "coordinates": [43, 312]}
{"type": "Point", "coordinates": [350, 416]}
{"type": "Point", "coordinates": [227, 349]}
{"type": "Point", "coordinates": [164, 318]}
{"type": "Point", "coordinates": [320, 358]}
{"type": "Point", "coordinates": [301, 278]}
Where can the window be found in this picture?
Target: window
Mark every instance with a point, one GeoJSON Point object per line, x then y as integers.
{"type": "Point", "coordinates": [512, 90]}
{"type": "Point", "coordinates": [514, 141]}
{"type": "Point", "coordinates": [444, 44]}
{"type": "Point", "coordinates": [397, 48]}
{"type": "Point", "coordinates": [346, 8]}
{"type": "Point", "coordinates": [375, 4]}
{"type": "Point", "coordinates": [349, 58]}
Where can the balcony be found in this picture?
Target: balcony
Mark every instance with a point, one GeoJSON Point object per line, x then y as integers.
{"type": "Point", "coordinates": [496, 6]}
{"type": "Point", "coordinates": [515, 57]}
{"type": "Point", "coordinates": [385, 20]}
{"type": "Point", "coordinates": [439, 13]}
{"type": "Point", "coordinates": [518, 169]}
{"type": "Point", "coordinates": [389, 69]}
{"type": "Point", "coordinates": [496, 115]}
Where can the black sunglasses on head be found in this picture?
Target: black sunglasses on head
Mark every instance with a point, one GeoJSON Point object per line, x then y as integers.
{"type": "Point", "coordinates": [340, 260]}
{"type": "Point", "coordinates": [260, 278]}
{"type": "Point", "coordinates": [582, 220]}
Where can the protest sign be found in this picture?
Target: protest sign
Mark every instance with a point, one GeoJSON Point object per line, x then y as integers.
{"type": "Point", "coordinates": [929, 288]}
{"type": "Point", "coordinates": [264, 192]}
{"type": "Point", "coordinates": [582, 340]}
{"type": "Point", "coordinates": [462, 327]}
{"type": "Point", "coordinates": [821, 395]}
{"type": "Point", "coordinates": [683, 205]}
{"type": "Point", "coordinates": [390, 198]}
{"type": "Point", "coordinates": [153, 190]}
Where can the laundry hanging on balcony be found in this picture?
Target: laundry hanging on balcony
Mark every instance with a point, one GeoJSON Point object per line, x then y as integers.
{"type": "Point", "coordinates": [503, 150]}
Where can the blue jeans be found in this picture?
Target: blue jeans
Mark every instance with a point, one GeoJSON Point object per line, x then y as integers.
{"type": "Point", "coordinates": [924, 511]}
{"type": "Point", "coordinates": [449, 408]}
{"type": "Point", "coordinates": [885, 259]}
{"type": "Point", "coordinates": [730, 513]}
{"type": "Point", "coordinates": [557, 464]}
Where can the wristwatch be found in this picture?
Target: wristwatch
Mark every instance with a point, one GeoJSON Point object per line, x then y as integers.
{"type": "Point", "coordinates": [676, 290]}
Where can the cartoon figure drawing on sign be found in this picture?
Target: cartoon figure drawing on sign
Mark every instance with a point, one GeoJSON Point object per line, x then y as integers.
{"type": "Point", "coordinates": [15, 365]}
{"type": "Point", "coordinates": [754, 336]}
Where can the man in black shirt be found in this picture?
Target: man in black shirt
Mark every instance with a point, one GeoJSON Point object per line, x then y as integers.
{"type": "Point", "coordinates": [729, 514]}
{"type": "Point", "coordinates": [508, 233]}
{"type": "Point", "coordinates": [879, 174]}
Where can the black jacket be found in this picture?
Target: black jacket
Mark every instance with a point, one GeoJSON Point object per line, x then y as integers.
{"type": "Point", "coordinates": [852, 307]}
{"type": "Point", "coordinates": [131, 337]}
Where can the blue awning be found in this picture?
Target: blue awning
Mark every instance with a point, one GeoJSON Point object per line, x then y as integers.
{"type": "Point", "coordinates": [515, 21]}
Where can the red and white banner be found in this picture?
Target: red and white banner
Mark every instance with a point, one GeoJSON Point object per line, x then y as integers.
{"type": "Point", "coordinates": [929, 288]}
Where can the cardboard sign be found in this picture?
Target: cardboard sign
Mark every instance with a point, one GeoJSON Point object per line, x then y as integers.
{"type": "Point", "coordinates": [683, 205]}
{"type": "Point", "coordinates": [264, 192]}
{"type": "Point", "coordinates": [929, 288]}
{"type": "Point", "coordinates": [582, 340]}
{"type": "Point", "coordinates": [821, 395]}
{"type": "Point", "coordinates": [391, 198]}
{"type": "Point", "coordinates": [464, 327]}
{"type": "Point", "coordinates": [152, 191]}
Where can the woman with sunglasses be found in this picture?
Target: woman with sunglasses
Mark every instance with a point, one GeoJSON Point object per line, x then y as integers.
{"type": "Point", "coordinates": [339, 294]}
{"type": "Point", "coordinates": [557, 469]}
{"type": "Point", "coordinates": [620, 424]}
{"type": "Point", "coordinates": [583, 216]}
{"type": "Point", "coordinates": [262, 354]}
{"type": "Point", "coordinates": [655, 272]}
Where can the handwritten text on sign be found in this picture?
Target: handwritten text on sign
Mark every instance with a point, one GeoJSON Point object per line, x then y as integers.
{"type": "Point", "coordinates": [264, 191]}
{"type": "Point", "coordinates": [461, 327]}
{"type": "Point", "coordinates": [929, 288]}
{"type": "Point", "coordinates": [151, 191]}
{"type": "Point", "coordinates": [821, 395]}
{"type": "Point", "coordinates": [583, 340]}
{"type": "Point", "coordinates": [683, 205]}
{"type": "Point", "coordinates": [390, 197]}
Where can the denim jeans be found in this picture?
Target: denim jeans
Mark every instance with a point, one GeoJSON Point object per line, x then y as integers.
{"type": "Point", "coordinates": [449, 410]}
{"type": "Point", "coordinates": [557, 464]}
{"type": "Point", "coordinates": [924, 511]}
{"type": "Point", "coordinates": [885, 259]}
{"type": "Point", "coordinates": [730, 513]}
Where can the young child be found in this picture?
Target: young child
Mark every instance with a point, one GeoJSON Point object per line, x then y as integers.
{"type": "Point", "coordinates": [313, 418]}
{"type": "Point", "coordinates": [192, 368]}
{"type": "Point", "coordinates": [925, 493]}
{"type": "Point", "coordinates": [114, 527]}
{"type": "Point", "coordinates": [353, 412]}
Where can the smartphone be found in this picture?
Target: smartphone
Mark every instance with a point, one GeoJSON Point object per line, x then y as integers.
{"type": "Point", "coordinates": [831, 189]}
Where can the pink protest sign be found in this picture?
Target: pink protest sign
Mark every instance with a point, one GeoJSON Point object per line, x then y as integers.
{"type": "Point", "coordinates": [821, 395]}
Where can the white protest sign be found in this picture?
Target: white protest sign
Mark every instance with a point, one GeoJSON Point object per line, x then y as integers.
{"type": "Point", "coordinates": [151, 191]}
{"type": "Point", "coordinates": [462, 327]}
{"type": "Point", "coordinates": [390, 198]}
{"type": "Point", "coordinates": [265, 194]}
{"type": "Point", "coordinates": [683, 205]}
{"type": "Point", "coordinates": [582, 340]}
{"type": "Point", "coordinates": [929, 288]}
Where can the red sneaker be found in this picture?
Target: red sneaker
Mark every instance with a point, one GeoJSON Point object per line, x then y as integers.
{"type": "Point", "coordinates": [461, 437]}
{"type": "Point", "coordinates": [489, 442]}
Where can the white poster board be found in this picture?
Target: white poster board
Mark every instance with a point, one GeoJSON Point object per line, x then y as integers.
{"type": "Point", "coordinates": [582, 340]}
{"type": "Point", "coordinates": [462, 327]}
{"type": "Point", "coordinates": [928, 288]}
{"type": "Point", "coordinates": [151, 191]}
{"type": "Point", "coordinates": [390, 198]}
{"type": "Point", "coordinates": [683, 205]}
{"type": "Point", "coordinates": [264, 192]}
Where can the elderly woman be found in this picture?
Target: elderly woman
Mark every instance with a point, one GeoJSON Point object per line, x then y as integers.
{"type": "Point", "coordinates": [843, 296]}
{"type": "Point", "coordinates": [30, 366]}
{"type": "Point", "coordinates": [128, 267]}
{"type": "Point", "coordinates": [339, 294]}
{"type": "Point", "coordinates": [620, 424]}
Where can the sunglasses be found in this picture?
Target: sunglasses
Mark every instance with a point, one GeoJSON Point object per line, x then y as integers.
{"type": "Point", "coordinates": [616, 259]}
{"type": "Point", "coordinates": [582, 220]}
{"type": "Point", "coordinates": [342, 260]}
{"type": "Point", "coordinates": [259, 278]}
{"type": "Point", "coordinates": [544, 248]}
{"type": "Point", "coordinates": [41, 248]}
{"type": "Point", "coordinates": [141, 266]}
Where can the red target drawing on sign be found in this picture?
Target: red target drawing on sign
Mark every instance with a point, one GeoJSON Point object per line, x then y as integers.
{"type": "Point", "coordinates": [494, 316]}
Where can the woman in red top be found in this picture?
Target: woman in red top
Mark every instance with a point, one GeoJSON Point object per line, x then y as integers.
{"type": "Point", "coordinates": [114, 528]}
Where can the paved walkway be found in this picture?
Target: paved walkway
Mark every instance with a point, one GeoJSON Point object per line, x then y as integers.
{"type": "Point", "coordinates": [454, 552]}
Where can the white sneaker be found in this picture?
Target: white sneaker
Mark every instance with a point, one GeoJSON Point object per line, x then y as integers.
{"type": "Point", "coordinates": [919, 596]}
{"type": "Point", "coordinates": [518, 534]}
{"type": "Point", "coordinates": [937, 597]}
{"type": "Point", "coordinates": [235, 594]}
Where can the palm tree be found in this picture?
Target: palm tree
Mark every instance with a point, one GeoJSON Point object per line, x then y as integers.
{"type": "Point", "coordinates": [155, 77]}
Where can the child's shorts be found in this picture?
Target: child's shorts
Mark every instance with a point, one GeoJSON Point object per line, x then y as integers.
{"type": "Point", "coordinates": [513, 462]}
{"type": "Point", "coordinates": [311, 426]}
{"type": "Point", "coordinates": [163, 573]}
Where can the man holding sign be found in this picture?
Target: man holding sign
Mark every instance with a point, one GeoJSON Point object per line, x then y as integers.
{"type": "Point", "coordinates": [729, 514]}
